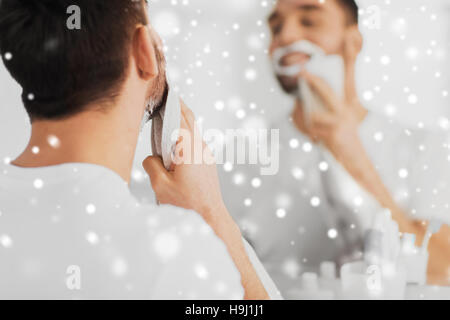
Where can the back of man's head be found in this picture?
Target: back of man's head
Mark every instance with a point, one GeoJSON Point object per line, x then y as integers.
{"type": "Point", "coordinates": [60, 69]}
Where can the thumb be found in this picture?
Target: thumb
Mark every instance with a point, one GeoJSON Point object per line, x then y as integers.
{"type": "Point", "coordinates": [155, 169]}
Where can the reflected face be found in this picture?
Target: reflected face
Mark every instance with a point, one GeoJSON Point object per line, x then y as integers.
{"type": "Point", "coordinates": [323, 24]}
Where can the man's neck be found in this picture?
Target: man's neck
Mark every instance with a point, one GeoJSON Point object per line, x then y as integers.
{"type": "Point", "coordinates": [107, 140]}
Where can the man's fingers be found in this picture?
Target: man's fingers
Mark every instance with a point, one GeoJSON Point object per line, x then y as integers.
{"type": "Point", "coordinates": [322, 119]}
{"type": "Point", "coordinates": [155, 169]}
{"type": "Point", "coordinates": [319, 134]}
{"type": "Point", "coordinates": [188, 116]}
{"type": "Point", "coordinates": [192, 139]}
{"type": "Point", "coordinates": [323, 90]}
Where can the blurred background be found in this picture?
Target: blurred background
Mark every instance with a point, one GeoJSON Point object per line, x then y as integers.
{"type": "Point", "coordinates": [216, 51]}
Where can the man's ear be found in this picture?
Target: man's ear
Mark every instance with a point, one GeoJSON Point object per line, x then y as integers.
{"type": "Point", "coordinates": [144, 54]}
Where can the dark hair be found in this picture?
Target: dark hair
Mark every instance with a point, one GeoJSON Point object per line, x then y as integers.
{"type": "Point", "coordinates": [352, 8]}
{"type": "Point", "coordinates": [62, 70]}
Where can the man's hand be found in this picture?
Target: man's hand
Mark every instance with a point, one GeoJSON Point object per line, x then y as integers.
{"type": "Point", "coordinates": [193, 182]}
{"type": "Point", "coordinates": [337, 126]}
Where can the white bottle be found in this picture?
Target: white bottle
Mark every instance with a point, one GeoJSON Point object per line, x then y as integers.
{"type": "Point", "coordinates": [310, 290]}
{"type": "Point", "coordinates": [414, 260]}
{"type": "Point", "coordinates": [328, 278]}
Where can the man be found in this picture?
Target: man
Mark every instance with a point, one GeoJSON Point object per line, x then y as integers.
{"type": "Point", "coordinates": [297, 219]}
{"type": "Point", "coordinates": [69, 227]}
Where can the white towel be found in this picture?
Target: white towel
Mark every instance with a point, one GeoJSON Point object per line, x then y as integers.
{"type": "Point", "coordinates": [165, 129]}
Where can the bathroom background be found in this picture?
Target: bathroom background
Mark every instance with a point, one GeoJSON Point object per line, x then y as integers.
{"type": "Point", "coordinates": [216, 51]}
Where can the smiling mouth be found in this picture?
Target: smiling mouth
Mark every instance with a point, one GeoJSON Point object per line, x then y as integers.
{"type": "Point", "coordinates": [289, 61]}
{"type": "Point", "coordinates": [295, 58]}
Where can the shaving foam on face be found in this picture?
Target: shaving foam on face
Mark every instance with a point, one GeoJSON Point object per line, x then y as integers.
{"type": "Point", "coordinates": [328, 67]}
{"type": "Point", "coordinates": [302, 46]}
